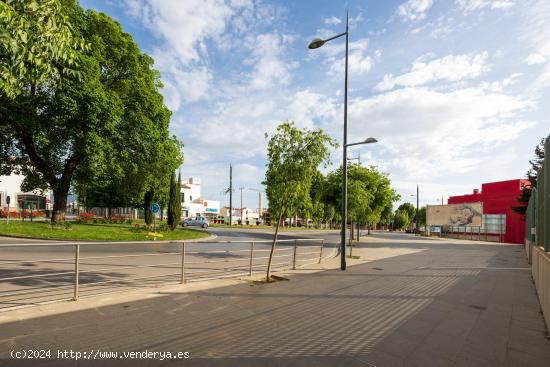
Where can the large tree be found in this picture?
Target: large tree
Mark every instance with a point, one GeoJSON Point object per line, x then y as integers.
{"type": "Point", "coordinates": [294, 156]}
{"type": "Point", "coordinates": [106, 130]}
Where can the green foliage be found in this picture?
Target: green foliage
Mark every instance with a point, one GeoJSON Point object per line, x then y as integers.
{"type": "Point", "coordinates": [532, 176]}
{"type": "Point", "coordinates": [37, 44]}
{"type": "Point", "coordinates": [106, 132]}
{"type": "Point", "coordinates": [370, 196]}
{"type": "Point", "coordinates": [422, 216]}
{"type": "Point", "coordinates": [177, 210]}
{"type": "Point", "coordinates": [410, 210]}
{"type": "Point", "coordinates": [293, 158]}
{"type": "Point", "coordinates": [401, 219]}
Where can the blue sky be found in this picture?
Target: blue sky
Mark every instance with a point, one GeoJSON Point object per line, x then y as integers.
{"type": "Point", "coordinates": [456, 91]}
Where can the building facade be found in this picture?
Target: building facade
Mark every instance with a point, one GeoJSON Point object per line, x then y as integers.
{"type": "Point", "coordinates": [499, 198]}
{"type": "Point", "coordinates": [10, 186]}
{"type": "Point", "coordinates": [193, 205]}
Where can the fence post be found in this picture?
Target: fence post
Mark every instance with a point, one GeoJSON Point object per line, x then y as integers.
{"type": "Point", "coordinates": [321, 251]}
{"type": "Point", "coordinates": [251, 257]}
{"type": "Point", "coordinates": [294, 257]}
{"type": "Point", "coordinates": [76, 263]}
{"type": "Point", "coordinates": [182, 279]}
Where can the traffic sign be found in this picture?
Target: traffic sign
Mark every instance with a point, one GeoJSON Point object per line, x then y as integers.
{"type": "Point", "coordinates": [155, 208]}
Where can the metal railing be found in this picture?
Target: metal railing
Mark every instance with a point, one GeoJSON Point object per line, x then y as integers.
{"type": "Point", "coordinates": [473, 233]}
{"type": "Point", "coordinates": [54, 278]}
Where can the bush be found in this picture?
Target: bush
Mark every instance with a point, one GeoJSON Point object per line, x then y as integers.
{"type": "Point", "coordinates": [85, 217]}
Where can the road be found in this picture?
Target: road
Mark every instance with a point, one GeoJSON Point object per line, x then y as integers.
{"type": "Point", "coordinates": [408, 301]}
{"type": "Point", "coordinates": [112, 268]}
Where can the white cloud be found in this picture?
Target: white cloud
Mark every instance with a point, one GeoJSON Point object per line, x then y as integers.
{"type": "Point", "coordinates": [536, 35]}
{"type": "Point", "coordinates": [449, 68]}
{"type": "Point", "coordinates": [359, 61]}
{"type": "Point", "coordinates": [468, 6]}
{"type": "Point", "coordinates": [333, 20]}
{"type": "Point", "coordinates": [432, 133]}
{"type": "Point", "coordinates": [414, 9]}
{"type": "Point", "coordinates": [270, 66]}
{"type": "Point", "coordinates": [535, 59]}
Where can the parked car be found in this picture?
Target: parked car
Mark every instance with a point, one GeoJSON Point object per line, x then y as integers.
{"type": "Point", "coordinates": [195, 222]}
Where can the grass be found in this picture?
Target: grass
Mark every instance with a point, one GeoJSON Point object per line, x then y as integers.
{"type": "Point", "coordinates": [93, 232]}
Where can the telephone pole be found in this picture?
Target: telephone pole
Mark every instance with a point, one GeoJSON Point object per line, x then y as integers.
{"type": "Point", "coordinates": [230, 194]}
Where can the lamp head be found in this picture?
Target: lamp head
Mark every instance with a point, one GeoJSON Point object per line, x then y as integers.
{"type": "Point", "coordinates": [316, 43]}
{"type": "Point", "coordinates": [370, 140]}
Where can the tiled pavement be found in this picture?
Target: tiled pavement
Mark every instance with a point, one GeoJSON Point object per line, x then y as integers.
{"type": "Point", "coordinates": [416, 303]}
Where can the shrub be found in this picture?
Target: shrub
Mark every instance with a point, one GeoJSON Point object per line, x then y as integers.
{"type": "Point", "coordinates": [85, 217]}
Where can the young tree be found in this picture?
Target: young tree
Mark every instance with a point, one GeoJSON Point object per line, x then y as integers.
{"type": "Point", "coordinates": [410, 210]}
{"type": "Point", "coordinates": [177, 209]}
{"type": "Point", "coordinates": [294, 156]}
{"type": "Point", "coordinates": [401, 219]}
{"type": "Point", "coordinates": [172, 202]}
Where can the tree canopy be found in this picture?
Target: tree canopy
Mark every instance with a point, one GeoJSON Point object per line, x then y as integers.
{"type": "Point", "coordinates": [37, 44]}
{"type": "Point", "coordinates": [294, 156]}
{"type": "Point", "coordinates": [105, 132]}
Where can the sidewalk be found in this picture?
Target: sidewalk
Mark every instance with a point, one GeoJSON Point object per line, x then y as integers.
{"type": "Point", "coordinates": [405, 302]}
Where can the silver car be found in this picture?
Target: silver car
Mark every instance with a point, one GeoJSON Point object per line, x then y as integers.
{"type": "Point", "coordinates": [195, 222]}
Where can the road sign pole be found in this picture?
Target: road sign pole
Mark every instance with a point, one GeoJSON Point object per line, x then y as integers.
{"type": "Point", "coordinates": [8, 202]}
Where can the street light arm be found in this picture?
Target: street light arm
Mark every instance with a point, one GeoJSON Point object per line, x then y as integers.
{"type": "Point", "coordinates": [337, 36]}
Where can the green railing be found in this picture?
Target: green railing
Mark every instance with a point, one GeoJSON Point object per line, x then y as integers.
{"type": "Point", "coordinates": [537, 219]}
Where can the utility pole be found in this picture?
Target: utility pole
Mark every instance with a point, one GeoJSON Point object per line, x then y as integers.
{"type": "Point", "coordinates": [241, 188]}
{"type": "Point", "coordinates": [417, 208]}
{"type": "Point", "coordinates": [230, 194]}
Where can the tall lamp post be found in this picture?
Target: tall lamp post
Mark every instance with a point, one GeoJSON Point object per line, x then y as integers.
{"type": "Point", "coordinates": [417, 207]}
{"type": "Point", "coordinates": [259, 204]}
{"type": "Point", "coordinates": [316, 43]}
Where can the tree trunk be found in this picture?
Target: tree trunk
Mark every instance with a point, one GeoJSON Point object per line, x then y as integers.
{"type": "Point", "coordinates": [268, 275]}
{"type": "Point", "coordinates": [148, 215]}
{"type": "Point", "coordinates": [59, 204]}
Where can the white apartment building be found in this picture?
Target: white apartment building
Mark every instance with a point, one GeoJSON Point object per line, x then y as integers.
{"type": "Point", "coordinates": [192, 204]}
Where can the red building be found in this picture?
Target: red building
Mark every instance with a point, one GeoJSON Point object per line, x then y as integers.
{"type": "Point", "coordinates": [499, 198]}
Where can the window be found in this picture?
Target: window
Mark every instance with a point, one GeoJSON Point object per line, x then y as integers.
{"type": "Point", "coordinates": [190, 198]}
{"type": "Point", "coordinates": [35, 202]}
{"type": "Point", "coordinates": [182, 197]}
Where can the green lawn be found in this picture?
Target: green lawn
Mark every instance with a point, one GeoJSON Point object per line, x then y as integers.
{"type": "Point", "coordinates": [93, 232]}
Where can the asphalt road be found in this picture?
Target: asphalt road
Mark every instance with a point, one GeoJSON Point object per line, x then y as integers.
{"type": "Point", "coordinates": [118, 267]}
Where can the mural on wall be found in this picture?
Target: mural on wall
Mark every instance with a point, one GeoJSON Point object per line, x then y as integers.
{"type": "Point", "coordinates": [469, 214]}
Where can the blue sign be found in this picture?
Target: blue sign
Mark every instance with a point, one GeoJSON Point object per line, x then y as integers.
{"type": "Point", "coordinates": [211, 210]}
{"type": "Point", "coordinates": [155, 208]}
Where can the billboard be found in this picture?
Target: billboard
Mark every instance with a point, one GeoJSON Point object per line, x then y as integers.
{"type": "Point", "coordinates": [467, 214]}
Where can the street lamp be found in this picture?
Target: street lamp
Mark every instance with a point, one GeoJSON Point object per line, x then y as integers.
{"type": "Point", "coordinates": [316, 43]}
{"type": "Point", "coordinates": [417, 207]}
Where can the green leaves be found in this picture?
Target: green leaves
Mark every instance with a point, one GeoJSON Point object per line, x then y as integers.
{"type": "Point", "coordinates": [37, 44]}
{"type": "Point", "coordinates": [294, 156]}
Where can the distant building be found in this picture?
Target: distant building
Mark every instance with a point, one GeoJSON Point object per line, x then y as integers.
{"type": "Point", "coordinates": [193, 205]}
{"type": "Point", "coordinates": [499, 198]}
{"type": "Point", "coordinates": [10, 186]}
{"type": "Point", "coordinates": [249, 216]}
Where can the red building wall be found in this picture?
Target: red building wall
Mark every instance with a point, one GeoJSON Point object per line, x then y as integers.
{"type": "Point", "coordinates": [499, 198]}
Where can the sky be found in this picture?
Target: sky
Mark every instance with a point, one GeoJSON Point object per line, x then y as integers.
{"type": "Point", "coordinates": [456, 91]}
